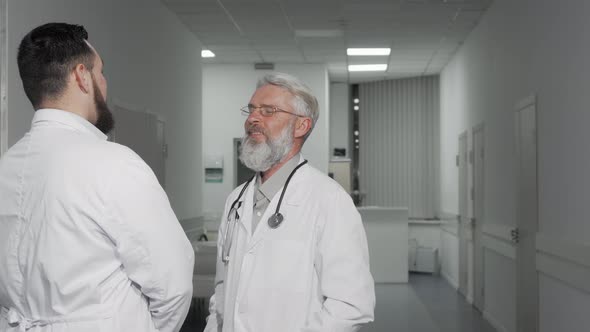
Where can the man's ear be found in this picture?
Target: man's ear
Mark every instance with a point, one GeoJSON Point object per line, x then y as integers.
{"type": "Point", "coordinates": [302, 127]}
{"type": "Point", "coordinates": [82, 78]}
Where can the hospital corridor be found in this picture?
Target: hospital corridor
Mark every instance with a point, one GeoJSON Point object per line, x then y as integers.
{"type": "Point", "coordinates": [328, 165]}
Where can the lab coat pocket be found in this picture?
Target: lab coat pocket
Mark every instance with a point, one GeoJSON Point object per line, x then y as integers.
{"type": "Point", "coordinates": [283, 262]}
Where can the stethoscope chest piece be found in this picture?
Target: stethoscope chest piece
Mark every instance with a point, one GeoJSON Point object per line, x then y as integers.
{"type": "Point", "coordinates": [275, 220]}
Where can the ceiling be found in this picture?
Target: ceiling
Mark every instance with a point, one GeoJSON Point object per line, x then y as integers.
{"type": "Point", "coordinates": [423, 34]}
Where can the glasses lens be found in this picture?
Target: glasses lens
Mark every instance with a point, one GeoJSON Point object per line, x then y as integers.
{"type": "Point", "coordinates": [245, 111]}
{"type": "Point", "coordinates": [267, 110]}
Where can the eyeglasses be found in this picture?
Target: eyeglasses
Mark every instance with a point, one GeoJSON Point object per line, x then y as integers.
{"type": "Point", "coordinates": [265, 110]}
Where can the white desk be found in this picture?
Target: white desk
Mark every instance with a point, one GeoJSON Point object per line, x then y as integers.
{"type": "Point", "coordinates": [205, 253]}
{"type": "Point", "coordinates": [387, 236]}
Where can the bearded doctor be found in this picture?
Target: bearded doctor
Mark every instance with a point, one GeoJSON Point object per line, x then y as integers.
{"type": "Point", "coordinates": [292, 250]}
{"type": "Point", "coordinates": [88, 240]}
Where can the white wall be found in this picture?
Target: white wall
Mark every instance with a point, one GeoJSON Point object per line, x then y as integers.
{"type": "Point", "coordinates": [151, 60]}
{"type": "Point", "coordinates": [227, 88]}
{"type": "Point", "coordinates": [572, 317]}
{"type": "Point", "coordinates": [520, 48]}
{"type": "Point", "coordinates": [340, 125]}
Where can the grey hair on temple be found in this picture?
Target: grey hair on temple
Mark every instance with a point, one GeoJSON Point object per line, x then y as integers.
{"type": "Point", "coordinates": [304, 102]}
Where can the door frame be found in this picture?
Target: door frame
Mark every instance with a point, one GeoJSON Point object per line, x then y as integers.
{"type": "Point", "coordinates": [463, 208]}
{"type": "Point", "coordinates": [160, 123]}
{"type": "Point", "coordinates": [477, 158]}
{"type": "Point", "coordinates": [527, 218]}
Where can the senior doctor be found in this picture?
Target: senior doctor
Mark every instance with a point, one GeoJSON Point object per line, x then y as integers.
{"type": "Point", "coordinates": [292, 251]}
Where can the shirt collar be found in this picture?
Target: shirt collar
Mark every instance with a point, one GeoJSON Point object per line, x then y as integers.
{"type": "Point", "coordinates": [69, 119]}
{"type": "Point", "coordinates": [272, 186]}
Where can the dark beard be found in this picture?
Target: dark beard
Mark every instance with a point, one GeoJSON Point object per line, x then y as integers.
{"type": "Point", "coordinates": [104, 116]}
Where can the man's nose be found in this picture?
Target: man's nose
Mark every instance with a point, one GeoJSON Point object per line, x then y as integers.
{"type": "Point", "coordinates": [254, 117]}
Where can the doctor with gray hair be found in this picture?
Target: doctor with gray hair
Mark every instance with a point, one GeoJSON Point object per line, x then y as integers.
{"type": "Point", "coordinates": [292, 250]}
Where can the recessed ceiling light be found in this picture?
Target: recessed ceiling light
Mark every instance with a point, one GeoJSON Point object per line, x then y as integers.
{"type": "Point", "coordinates": [378, 67]}
{"type": "Point", "coordinates": [368, 51]}
{"type": "Point", "coordinates": [207, 54]}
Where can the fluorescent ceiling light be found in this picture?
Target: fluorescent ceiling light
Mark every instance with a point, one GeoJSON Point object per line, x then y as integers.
{"type": "Point", "coordinates": [368, 51]}
{"type": "Point", "coordinates": [207, 54]}
{"type": "Point", "coordinates": [379, 67]}
{"type": "Point", "coordinates": [318, 33]}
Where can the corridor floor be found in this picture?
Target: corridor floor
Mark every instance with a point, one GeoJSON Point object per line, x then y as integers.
{"type": "Point", "coordinates": [426, 304]}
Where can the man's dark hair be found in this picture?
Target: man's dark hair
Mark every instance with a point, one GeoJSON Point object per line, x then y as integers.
{"type": "Point", "coordinates": [47, 55]}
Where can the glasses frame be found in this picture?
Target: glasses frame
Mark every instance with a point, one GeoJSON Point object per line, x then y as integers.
{"type": "Point", "coordinates": [249, 109]}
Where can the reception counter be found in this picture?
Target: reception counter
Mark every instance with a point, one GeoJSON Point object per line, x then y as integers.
{"type": "Point", "coordinates": [387, 237]}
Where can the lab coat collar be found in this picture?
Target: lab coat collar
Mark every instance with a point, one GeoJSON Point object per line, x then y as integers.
{"type": "Point", "coordinates": [275, 183]}
{"type": "Point", "coordinates": [69, 119]}
{"type": "Point", "coordinates": [292, 197]}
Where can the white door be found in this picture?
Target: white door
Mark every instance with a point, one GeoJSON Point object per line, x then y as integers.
{"type": "Point", "coordinates": [144, 133]}
{"type": "Point", "coordinates": [3, 59]}
{"type": "Point", "coordinates": [477, 196]}
{"type": "Point", "coordinates": [160, 149]}
{"type": "Point", "coordinates": [463, 216]}
{"type": "Point", "coordinates": [527, 279]}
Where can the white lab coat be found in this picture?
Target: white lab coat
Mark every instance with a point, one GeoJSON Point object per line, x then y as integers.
{"type": "Point", "coordinates": [88, 240]}
{"type": "Point", "coordinates": [309, 274]}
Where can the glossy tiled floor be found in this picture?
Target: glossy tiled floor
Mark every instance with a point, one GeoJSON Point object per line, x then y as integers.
{"type": "Point", "coordinates": [426, 304]}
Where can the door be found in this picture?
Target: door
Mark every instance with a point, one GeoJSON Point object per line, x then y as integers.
{"type": "Point", "coordinates": [144, 133]}
{"type": "Point", "coordinates": [527, 280]}
{"type": "Point", "coordinates": [477, 197]}
{"type": "Point", "coordinates": [3, 76]}
{"type": "Point", "coordinates": [160, 150]}
{"type": "Point", "coordinates": [463, 217]}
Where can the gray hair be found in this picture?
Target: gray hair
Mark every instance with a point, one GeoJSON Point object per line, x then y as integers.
{"type": "Point", "coordinates": [304, 102]}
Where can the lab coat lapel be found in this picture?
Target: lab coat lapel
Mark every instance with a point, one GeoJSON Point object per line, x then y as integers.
{"type": "Point", "coordinates": [293, 197]}
{"type": "Point", "coordinates": [247, 210]}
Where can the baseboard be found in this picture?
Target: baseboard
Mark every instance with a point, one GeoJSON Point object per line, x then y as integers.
{"type": "Point", "coordinates": [452, 282]}
{"type": "Point", "coordinates": [495, 323]}
{"type": "Point", "coordinates": [468, 298]}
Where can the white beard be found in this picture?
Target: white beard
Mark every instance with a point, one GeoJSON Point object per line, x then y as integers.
{"type": "Point", "coordinates": [260, 157]}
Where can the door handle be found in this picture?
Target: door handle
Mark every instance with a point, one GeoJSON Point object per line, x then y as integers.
{"type": "Point", "coordinates": [515, 235]}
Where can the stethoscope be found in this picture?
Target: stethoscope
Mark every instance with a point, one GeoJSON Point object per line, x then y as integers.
{"type": "Point", "coordinates": [274, 221]}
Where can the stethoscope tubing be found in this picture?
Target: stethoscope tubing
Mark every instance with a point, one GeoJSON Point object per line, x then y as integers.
{"type": "Point", "coordinates": [274, 221]}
